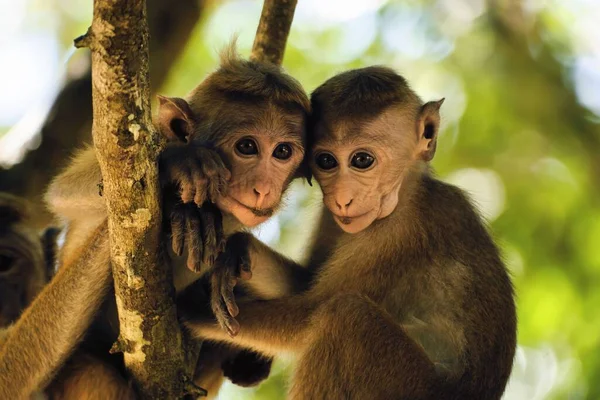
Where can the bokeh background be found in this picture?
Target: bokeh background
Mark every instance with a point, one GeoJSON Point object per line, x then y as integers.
{"type": "Point", "coordinates": [521, 132]}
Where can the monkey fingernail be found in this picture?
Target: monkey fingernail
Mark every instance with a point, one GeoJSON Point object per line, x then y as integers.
{"type": "Point", "coordinates": [177, 247]}
{"type": "Point", "coordinates": [233, 309]}
{"type": "Point", "coordinates": [233, 328]}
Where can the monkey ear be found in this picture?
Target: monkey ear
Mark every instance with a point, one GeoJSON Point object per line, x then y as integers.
{"type": "Point", "coordinates": [304, 171]}
{"type": "Point", "coordinates": [175, 119]}
{"type": "Point", "coordinates": [428, 126]}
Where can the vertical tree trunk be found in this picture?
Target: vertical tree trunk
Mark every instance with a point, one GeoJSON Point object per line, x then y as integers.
{"type": "Point", "coordinates": [273, 30]}
{"type": "Point", "coordinates": [127, 148]}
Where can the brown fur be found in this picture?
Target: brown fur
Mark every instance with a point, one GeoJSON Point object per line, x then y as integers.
{"type": "Point", "coordinates": [51, 328]}
{"type": "Point", "coordinates": [24, 269]}
{"type": "Point", "coordinates": [414, 304]}
{"type": "Point", "coordinates": [85, 377]}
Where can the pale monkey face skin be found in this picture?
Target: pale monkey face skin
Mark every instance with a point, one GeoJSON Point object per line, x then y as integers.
{"type": "Point", "coordinates": [263, 158]}
{"type": "Point", "coordinates": [361, 166]}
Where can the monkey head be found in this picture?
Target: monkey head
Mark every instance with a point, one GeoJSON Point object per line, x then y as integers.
{"type": "Point", "coordinates": [22, 262]}
{"type": "Point", "coordinates": [369, 130]}
{"type": "Point", "coordinates": [254, 116]}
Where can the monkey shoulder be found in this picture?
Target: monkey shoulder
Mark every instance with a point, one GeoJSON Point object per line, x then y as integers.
{"type": "Point", "coordinates": [76, 192]}
{"type": "Point", "coordinates": [465, 251]}
{"type": "Point", "coordinates": [454, 225]}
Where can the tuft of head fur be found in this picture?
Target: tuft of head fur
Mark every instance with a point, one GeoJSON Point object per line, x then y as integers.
{"type": "Point", "coordinates": [361, 93]}
{"type": "Point", "coordinates": [256, 81]}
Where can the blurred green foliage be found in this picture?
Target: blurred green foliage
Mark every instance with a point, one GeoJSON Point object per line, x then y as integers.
{"type": "Point", "coordinates": [519, 134]}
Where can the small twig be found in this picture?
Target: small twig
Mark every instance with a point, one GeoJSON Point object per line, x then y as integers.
{"type": "Point", "coordinates": [84, 40]}
{"type": "Point", "coordinates": [120, 346]}
{"type": "Point", "coordinates": [273, 30]}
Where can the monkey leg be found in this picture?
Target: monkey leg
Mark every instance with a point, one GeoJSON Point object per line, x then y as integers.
{"type": "Point", "coordinates": [209, 374]}
{"type": "Point", "coordinates": [357, 351]}
{"type": "Point", "coordinates": [86, 377]}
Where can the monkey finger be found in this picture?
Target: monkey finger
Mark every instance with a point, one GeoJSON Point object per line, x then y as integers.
{"type": "Point", "coordinates": [219, 234]}
{"type": "Point", "coordinates": [209, 238]}
{"type": "Point", "coordinates": [219, 308]}
{"type": "Point", "coordinates": [186, 186]}
{"type": "Point", "coordinates": [194, 261]}
{"type": "Point", "coordinates": [223, 176]}
{"type": "Point", "coordinates": [214, 169]}
{"type": "Point", "coordinates": [233, 327]}
{"type": "Point", "coordinates": [223, 183]}
{"type": "Point", "coordinates": [177, 232]}
{"type": "Point", "coordinates": [200, 185]}
{"type": "Point", "coordinates": [227, 286]}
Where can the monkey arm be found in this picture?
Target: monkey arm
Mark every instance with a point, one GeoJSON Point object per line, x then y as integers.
{"type": "Point", "coordinates": [262, 272]}
{"type": "Point", "coordinates": [75, 194]}
{"type": "Point", "coordinates": [269, 327]}
{"type": "Point", "coordinates": [47, 332]}
{"type": "Point", "coordinates": [273, 274]}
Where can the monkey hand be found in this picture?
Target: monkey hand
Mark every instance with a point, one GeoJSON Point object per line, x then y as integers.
{"type": "Point", "coordinates": [202, 229]}
{"type": "Point", "coordinates": [198, 171]}
{"type": "Point", "coordinates": [233, 264]}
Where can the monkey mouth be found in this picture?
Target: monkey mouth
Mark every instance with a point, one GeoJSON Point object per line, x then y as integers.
{"type": "Point", "coordinates": [267, 212]}
{"type": "Point", "coordinates": [259, 212]}
{"type": "Point", "coordinates": [346, 220]}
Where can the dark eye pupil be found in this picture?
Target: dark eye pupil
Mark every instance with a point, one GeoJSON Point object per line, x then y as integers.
{"type": "Point", "coordinates": [246, 147]}
{"type": "Point", "coordinates": [362, 160]}
{"type": "Point", "coordinates": [326, 161]}
{"type": "Point", "coordinates": [282, 152]}
{"type": "Point", "coordinates": [6, 262]}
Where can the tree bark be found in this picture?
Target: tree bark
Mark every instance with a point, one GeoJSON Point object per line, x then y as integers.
{"type": "Point", "coordinates": [273, 30]}
{"type": "Point", "coordinates": [127, 148]}
{"type": "Point", "coordinates": [69, 121]}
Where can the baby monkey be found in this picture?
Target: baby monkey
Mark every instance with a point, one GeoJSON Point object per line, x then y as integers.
{"type": "Point", "coordinates": [409, 298]}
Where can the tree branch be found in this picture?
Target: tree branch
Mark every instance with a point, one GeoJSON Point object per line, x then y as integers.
{"type": "Point", "coordinates": [127, 149]}
{"type": "Point", "coordinates": [273, 30]}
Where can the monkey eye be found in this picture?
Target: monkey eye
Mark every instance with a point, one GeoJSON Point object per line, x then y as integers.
{"type": "Point", "coordinates": [362, 160]}
{"type": "Point", "coordinates": [326, 161]}
{"type": "Point", "coordinates": [246, 147]}
{"type": "Point", "coordinates": [283, 151]}
{"type": "Point", "coordinates": [6, 262]}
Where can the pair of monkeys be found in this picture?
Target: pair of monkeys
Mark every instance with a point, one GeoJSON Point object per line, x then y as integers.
{"type": "Point", "coordinates": [404, 295]}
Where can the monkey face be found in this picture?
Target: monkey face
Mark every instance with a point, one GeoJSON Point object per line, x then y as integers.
{"type": "Point", "coordinates": [263, 159]}
{"type": "Point", "coordinates": [361, 166]}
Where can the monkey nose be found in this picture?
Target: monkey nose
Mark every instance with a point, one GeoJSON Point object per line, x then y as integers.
{"type": "Point", "coordinates": [343, 203]}
{"type": "Point", "coordinates": [261, 192]}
